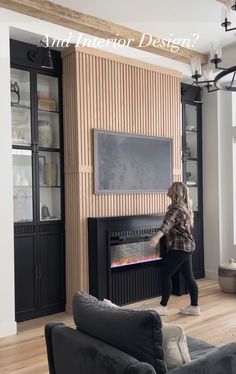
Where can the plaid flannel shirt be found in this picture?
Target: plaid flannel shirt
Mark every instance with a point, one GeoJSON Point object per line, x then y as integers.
{"type": "Point", "coordinates": [177, 229]}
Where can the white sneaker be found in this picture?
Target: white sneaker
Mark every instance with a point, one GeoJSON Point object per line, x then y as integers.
{"type": "Point", "coordinates": [162, 310]}
{"type": "Point", "coordinates": [192, 310]}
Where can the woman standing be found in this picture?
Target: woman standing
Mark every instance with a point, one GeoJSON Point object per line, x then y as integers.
{"type": "Point", "coordinates": [180, 245]}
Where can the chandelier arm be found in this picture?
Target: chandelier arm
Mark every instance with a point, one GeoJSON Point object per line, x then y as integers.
{"type": "Point", "coordinates": [232, 28]}
{"type": "Point", "coordinates": [214, 89]}
{"type": "Point", "coordinates": [226, 25]}
{"type": "Point", "coordinates": [216, 62]}
{"type": "Point", "coordinates": [232, 80]}
{"type": "Point", "coordinates": [221, 68]}
{"type": "Point", "coordinates": [210, 81]}
{"type": "Point", "coordinates": [221, 75]}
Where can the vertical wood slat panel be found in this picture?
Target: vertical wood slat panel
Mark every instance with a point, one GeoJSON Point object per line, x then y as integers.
{"type": "Point", "coordinates": [118, 96]}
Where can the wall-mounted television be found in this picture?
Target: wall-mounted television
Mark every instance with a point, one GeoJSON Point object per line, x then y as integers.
{"type": "Point", "coordinates": [129, 163]}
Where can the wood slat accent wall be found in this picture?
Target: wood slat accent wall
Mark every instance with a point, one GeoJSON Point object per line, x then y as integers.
{"type": "Point", "coordinates": [103, 91]}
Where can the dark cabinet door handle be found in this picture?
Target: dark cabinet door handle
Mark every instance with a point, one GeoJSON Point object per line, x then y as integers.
{"type": "Point", "coordinates": [39, 271]}
{"type": "Point", "coordinates": [36, 272]}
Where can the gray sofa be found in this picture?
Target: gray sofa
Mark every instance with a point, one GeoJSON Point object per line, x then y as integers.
{"type": "Point", "coordinates": [111, 340]}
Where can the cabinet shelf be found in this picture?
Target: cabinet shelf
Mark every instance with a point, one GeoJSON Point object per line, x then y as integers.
{"type": "Point", "coordinates": [48, 111]}
{"type": "Point", "coordinates": [191, 185]}
{"type": "Point", "coordinates": [192, 131]}
{"type": "Point", "coordinates": [18, 143]}
{"type": "Point", "coordinates": [24, 221]}
{"type": "Point", "coordinates": [21, 106]}
{"type": "Point", "coordinates": [49, 219]}
{"type": "Point", "coordinates": [50, 186]}
{"type": "Point", "coordinates": [23, 147]}
{"type": "Point", "coordinates": [45, 149]}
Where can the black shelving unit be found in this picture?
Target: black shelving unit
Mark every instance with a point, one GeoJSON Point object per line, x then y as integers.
{"type": "Point", "coordinates": [192, 166]}
{"type": "Point", "coordinates": [38, 187]}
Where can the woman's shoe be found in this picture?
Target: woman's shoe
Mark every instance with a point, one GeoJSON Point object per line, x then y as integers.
{"type": "Point", "coordinates": [162, 310]}
{"type": "Point", "coordinates": [191, 310]}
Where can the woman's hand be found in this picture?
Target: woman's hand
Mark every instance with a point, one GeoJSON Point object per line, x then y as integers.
{"type": "Point", "coordinates": [155, 239]}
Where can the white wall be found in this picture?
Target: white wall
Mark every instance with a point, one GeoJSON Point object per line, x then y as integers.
{"type": "Point", "coordinates": [11, 19]}
{"type": "Point", "coordinates": [211, 186]}
{"type": "Point", "coordinates": [7, 315]}
{"type": "Point", "coordinates": [227, 105]}
{"type": "Point", "coordinates": [227, 198]}
{"type": "Point", "coordinates": [218, 199]}
{"type": "Point", "coordinates": [228, 133]}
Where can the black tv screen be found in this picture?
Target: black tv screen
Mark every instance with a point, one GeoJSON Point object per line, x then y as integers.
{"type": "Point", "coordinates": [128, 163]}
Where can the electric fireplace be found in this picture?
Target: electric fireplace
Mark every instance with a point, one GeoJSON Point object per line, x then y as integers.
{"type": "Point", "coordinates": [122, 265]}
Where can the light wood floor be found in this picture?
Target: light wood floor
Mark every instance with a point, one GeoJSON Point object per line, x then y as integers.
{"type": "Point", "coordinates": [25, 352]}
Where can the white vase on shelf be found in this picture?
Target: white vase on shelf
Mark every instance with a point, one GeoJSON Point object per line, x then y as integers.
{"type": "Point", "coordinates": [24, 180]}
{"type": "Point", "coordinates": [17, 178]}
{"type": "Point", "coordinates": [45, 134]}
{"type": "Point", "coordinates": [45, 211]}
{"type": "Point", "coordinates": [50, 172]}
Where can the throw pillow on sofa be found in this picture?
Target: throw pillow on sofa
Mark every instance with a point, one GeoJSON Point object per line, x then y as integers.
{"type": "Point", "coordinates": [175, 346]}
{"type": "Point", "coordinates": [174, 342]}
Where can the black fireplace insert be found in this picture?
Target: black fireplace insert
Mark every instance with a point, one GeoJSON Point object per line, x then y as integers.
{"type": "Point", "coordinates": [122, 266]}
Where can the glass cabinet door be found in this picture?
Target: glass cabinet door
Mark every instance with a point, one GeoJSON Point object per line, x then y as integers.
{"type": "Point", "coordinates": [48, 115]}
{"type": "Point", "coordinates": [20, 107]}
{"type": "Point", "coordinates": [190, 152]}
{"type": "Point", "coordinates": [49, 148]}
{"type": "Point", "coordinates": [22, 145]}
{"type": "Point", "coordinates": [22, 185]}
{"type": "Point", "coordinates": [36, 146]}
{"type": "Point", "coordinates": [50, 186]}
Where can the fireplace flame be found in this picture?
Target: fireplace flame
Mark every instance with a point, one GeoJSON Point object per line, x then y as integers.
{"type": "Point", "coordinates": [135, 260]}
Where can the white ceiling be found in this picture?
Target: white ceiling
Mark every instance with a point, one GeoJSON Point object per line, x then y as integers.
{"type": "Point", "coordinates": [164, 19]}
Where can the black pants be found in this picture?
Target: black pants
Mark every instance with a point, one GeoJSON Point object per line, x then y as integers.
{"type": "Point", "coordinates": [172, 262]}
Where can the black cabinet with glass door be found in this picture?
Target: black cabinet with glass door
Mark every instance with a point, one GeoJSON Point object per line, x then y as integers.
{"type": "Point", "coordinates": [192, 166]}
{"type": "Point", "coordinates": [37, 156]}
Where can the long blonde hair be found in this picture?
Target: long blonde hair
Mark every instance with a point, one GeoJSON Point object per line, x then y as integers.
{"type": "Point", "coordinates": [180, 197]}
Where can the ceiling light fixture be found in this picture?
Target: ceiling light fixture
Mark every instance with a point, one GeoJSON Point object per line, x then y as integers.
{"type": "Point", "coordinates": [46, 62]}
{"type": "Point", "coordinates": [226, 14]}
{"type": "Point", "coordinates": [224, 80]}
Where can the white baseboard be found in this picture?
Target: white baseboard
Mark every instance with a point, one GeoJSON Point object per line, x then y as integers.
{"type": "Point", "coordinates": [7, 329]}
{"type": "Point", "coordinates": [211, 274]}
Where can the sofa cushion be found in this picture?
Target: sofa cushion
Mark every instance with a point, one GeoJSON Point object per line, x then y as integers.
{"type": "Point", "coordinates": [136, 332]}
{"type": "Point", "coordinates": [218, 361]}
{"type": "Point", "coordinates": [197, 348]}
{"type": "Point", "coordinates": [175, 346]}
